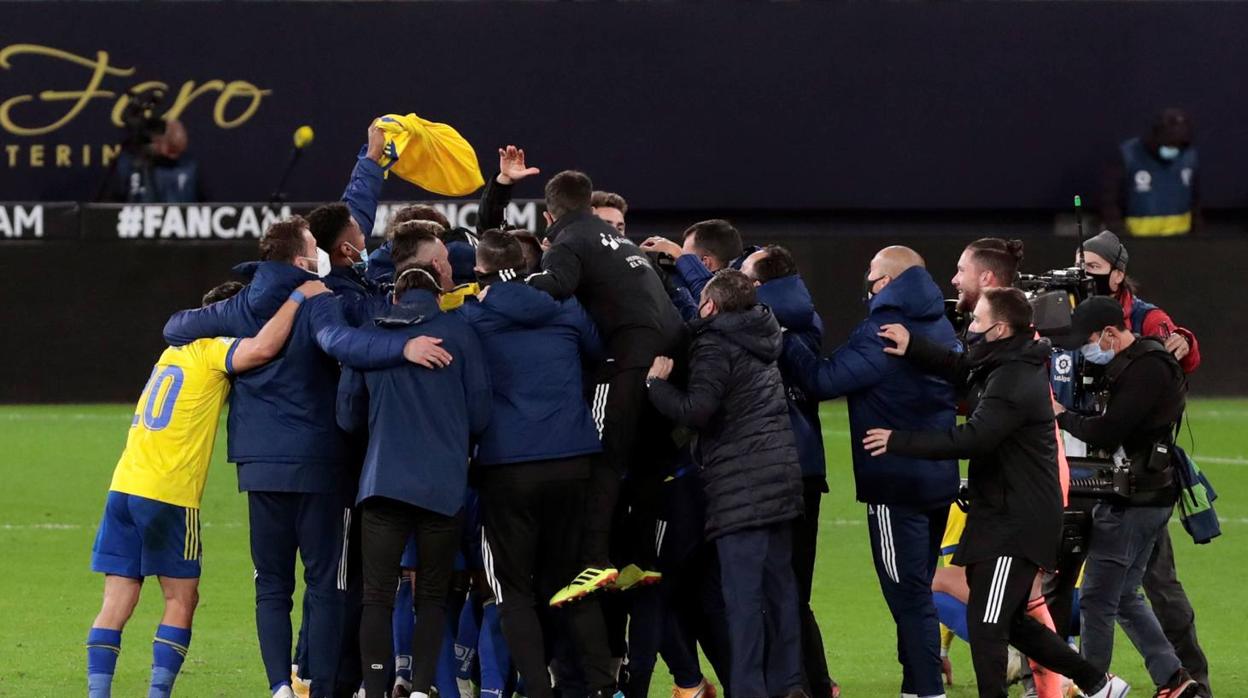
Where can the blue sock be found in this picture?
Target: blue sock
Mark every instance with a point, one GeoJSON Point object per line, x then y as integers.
{"type": "Point", "coordinates": [466, 639]}
{"type": "Point", "coordinates": [103, 646]}
{"type": "Point", "coordinates": [492, 650]}
{"type": "Point", "coordinates": [404, 623]}
{"type": "Point", "coordinates": [168, 652]}
{"type": "Point", "coordinates": [952, 613]}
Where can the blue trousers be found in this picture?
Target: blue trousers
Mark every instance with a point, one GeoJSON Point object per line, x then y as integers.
{"type": "Point", "coordinates": [284, 524]}
{"type": "Point", "coordinates": [905, 543]}
{"type": "Point", "coordinates": [760, 597]}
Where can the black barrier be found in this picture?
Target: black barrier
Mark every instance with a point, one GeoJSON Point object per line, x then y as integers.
{"type": "Point", "coordinates": [27, 221]}
{"type": "Point", "coordinates": [84, 320]}
{"type": "Point", "coordinates": [677, 105]}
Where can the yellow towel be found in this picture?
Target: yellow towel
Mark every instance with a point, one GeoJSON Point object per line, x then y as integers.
{"type": "Point", "coordinates": [430, 155]}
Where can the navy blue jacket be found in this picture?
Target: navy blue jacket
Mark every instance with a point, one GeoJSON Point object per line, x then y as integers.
{"type": "Point", "coordinates": [534, 347]}
{"type": "Point", "coordinates": [282, 432]}
{"type": "Point", "coordinates": [420, 421]}
{"type": "Point", "coordinates": [381, 265]}
{"type": "Point", "coordinates": [889, 392]}
{"type": "Point", "coordinates": [794, 309]}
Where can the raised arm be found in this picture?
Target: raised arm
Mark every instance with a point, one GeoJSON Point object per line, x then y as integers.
{"type": "Point", "coordinates": [253, 352]}
{"type": "Point", "coordinates": [364, 188]}
{"type": "Point", "coordinates": [855, 365]}
{"type": "Point", "coordinates": [708, 381]}
{"type": "Point", "coordinates": [511, 169]}
{"type": "Point", "coordinates": [225, 319]}
{"type": "Point", "coordinates": [561, 272]}
{"type": "Point", "coordinates": [995, 418]}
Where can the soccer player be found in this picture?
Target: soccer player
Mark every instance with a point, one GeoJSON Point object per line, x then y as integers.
{"type": "Point", "coordinates": [151, 518]}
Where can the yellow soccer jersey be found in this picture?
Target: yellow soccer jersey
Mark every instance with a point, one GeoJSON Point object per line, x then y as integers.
{"type": "Point", "coordinates": [953, 533]}
{"type": "Point", "coordinates": [175, 424]}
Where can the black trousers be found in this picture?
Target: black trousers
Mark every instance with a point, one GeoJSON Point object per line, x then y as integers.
{"type": "Point", "coordinates": [617, 404]}
{"type": "Point", "coordinates": [805, 541]}
{"type": "Point", "coordinates": [1173, 610]}
{"type": "Point", "coordinates": [996, 615]}
{"type": "Point", "coordinates": [532, 525]}
{"type": "Point", "coordinates": [386, 526]}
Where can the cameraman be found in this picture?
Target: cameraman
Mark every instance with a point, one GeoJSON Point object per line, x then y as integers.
{"type": "Point", "coordinates": [159, 172]}
{"type": "Point", "coordinates": [1146, 400]}
{"type": "Point", "coordinates": [1105, 260]}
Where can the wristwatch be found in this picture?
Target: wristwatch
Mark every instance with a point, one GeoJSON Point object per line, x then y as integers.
{"type": "Point", "coordinates": [650, 380]}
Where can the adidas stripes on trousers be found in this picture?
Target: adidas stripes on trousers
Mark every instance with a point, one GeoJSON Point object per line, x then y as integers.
{"type": "Point", "coordinates": [996, 616]}
{"type": "Point", "coordinates": [532, 525]}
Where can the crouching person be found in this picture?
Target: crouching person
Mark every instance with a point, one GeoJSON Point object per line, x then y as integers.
{"type": "Point", "coordinates": [419, 423]}
{"type": "Point", "coordinates": [748, 464]}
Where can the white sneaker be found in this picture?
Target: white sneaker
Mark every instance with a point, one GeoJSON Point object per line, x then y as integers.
{"type": "Point", "coordinates": [1014, 667]}
{"type": "Point", "coordinates": [1114, 688]}
{"type": "Point", "coordinates": [284, 692]}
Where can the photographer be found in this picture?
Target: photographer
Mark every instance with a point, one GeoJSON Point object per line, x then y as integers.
{"type": "Point", "coordinates": [1014, 522]}
{"type": "Point", "coordinates": [1146, 400]}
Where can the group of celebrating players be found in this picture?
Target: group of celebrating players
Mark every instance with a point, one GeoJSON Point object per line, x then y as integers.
{"type": "Point", "coordinates": [539, 464]}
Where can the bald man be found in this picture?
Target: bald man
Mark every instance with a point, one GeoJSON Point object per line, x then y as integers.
{"type": "Point", "coordinates": [907, 498]}
{"type": "Point", "coordinates": [159, 172]}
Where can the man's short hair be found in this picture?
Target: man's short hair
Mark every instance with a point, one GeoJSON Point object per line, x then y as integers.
{"type": "Point", "coordinates": [609, 199]}
{"type": "Point", "coordinates": [283, 241]}
{"type": "Point", "coordinates": [776, 263]}
{"type": "Point", "coordinates": [411, 237]}
{"type": "Point", "coordinates": [224, 291]}
{"type": "Point", "coordinates": [568, 191]}
{"type": "Point", "coordinates": [327, 223]}
{"type": "Point", "coordinates": [716, 238]}
{"type": "Point", "coordinates": [731, 291]}
{"type": "Point", "coordinates": [530, 245]}
{"type": "Point", "coordinates": [1010, 306]}
{"type": "Point", "coordinates": [416, 276]}
{"type": "Point", "coordinates": [1001, 257]}
{"type": "Point", "coordinates": [415, 212]}
{"type": "Point", "coordinates": [498, 250]}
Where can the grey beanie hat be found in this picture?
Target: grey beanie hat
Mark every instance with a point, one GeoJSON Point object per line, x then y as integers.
{"type": "Point", "coordinates": [1108, 246]}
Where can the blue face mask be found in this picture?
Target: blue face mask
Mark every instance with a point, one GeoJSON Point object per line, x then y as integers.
{"type": "Point", "coordinates": [1169, 152]}
{"type": "Point", "coordinates": [1094, 354]}
{"type": "Point", "coordinates": [362, 265]}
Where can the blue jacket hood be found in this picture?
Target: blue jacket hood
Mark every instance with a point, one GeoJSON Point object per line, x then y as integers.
{"type": "Point", "coordinates": [914, 294]}
{"type": "Point", "coordinates": [414, 307]}
{"type": "Point", "coordinates": [380, 265]}
{"type": "Point", "coordinates": [521, 304]}
{"type": "Point", "coordinates": [790, 302]}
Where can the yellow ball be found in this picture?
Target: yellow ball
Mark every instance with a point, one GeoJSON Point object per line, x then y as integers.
{"type": "Point", "coordinates": [303, 136]}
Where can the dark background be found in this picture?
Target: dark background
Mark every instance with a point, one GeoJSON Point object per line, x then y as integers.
{"type": "Point", "coordinates": [85, 318]}
{"type": "Point", "coordinates": [730, 106]}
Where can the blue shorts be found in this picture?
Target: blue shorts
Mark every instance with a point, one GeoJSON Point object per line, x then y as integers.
{"type": "Point", "coordinates": [142, 537]}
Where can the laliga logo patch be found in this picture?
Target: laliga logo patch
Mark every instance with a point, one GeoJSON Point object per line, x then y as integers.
{"type": "Point", "coordinates": [1063, 365]}
{"type": "Point", "coordinates": [609, 241]}
{"type": "Point", "coordinates": [1143, 181]}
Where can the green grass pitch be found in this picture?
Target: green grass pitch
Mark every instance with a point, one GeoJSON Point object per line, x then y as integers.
{"type": "Point", "coordinates": [58, 460]}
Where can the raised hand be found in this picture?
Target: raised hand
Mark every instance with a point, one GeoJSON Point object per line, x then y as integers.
{"type": "Point", "coordinates": [376, 142]}
{"type": "Point", "coordinates": [511, 165]}
{"type": "Point", "coordinates": [662, 245]}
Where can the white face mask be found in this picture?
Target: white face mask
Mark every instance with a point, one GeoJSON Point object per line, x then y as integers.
{"type": "Point", "coordinates": [322, 263]}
